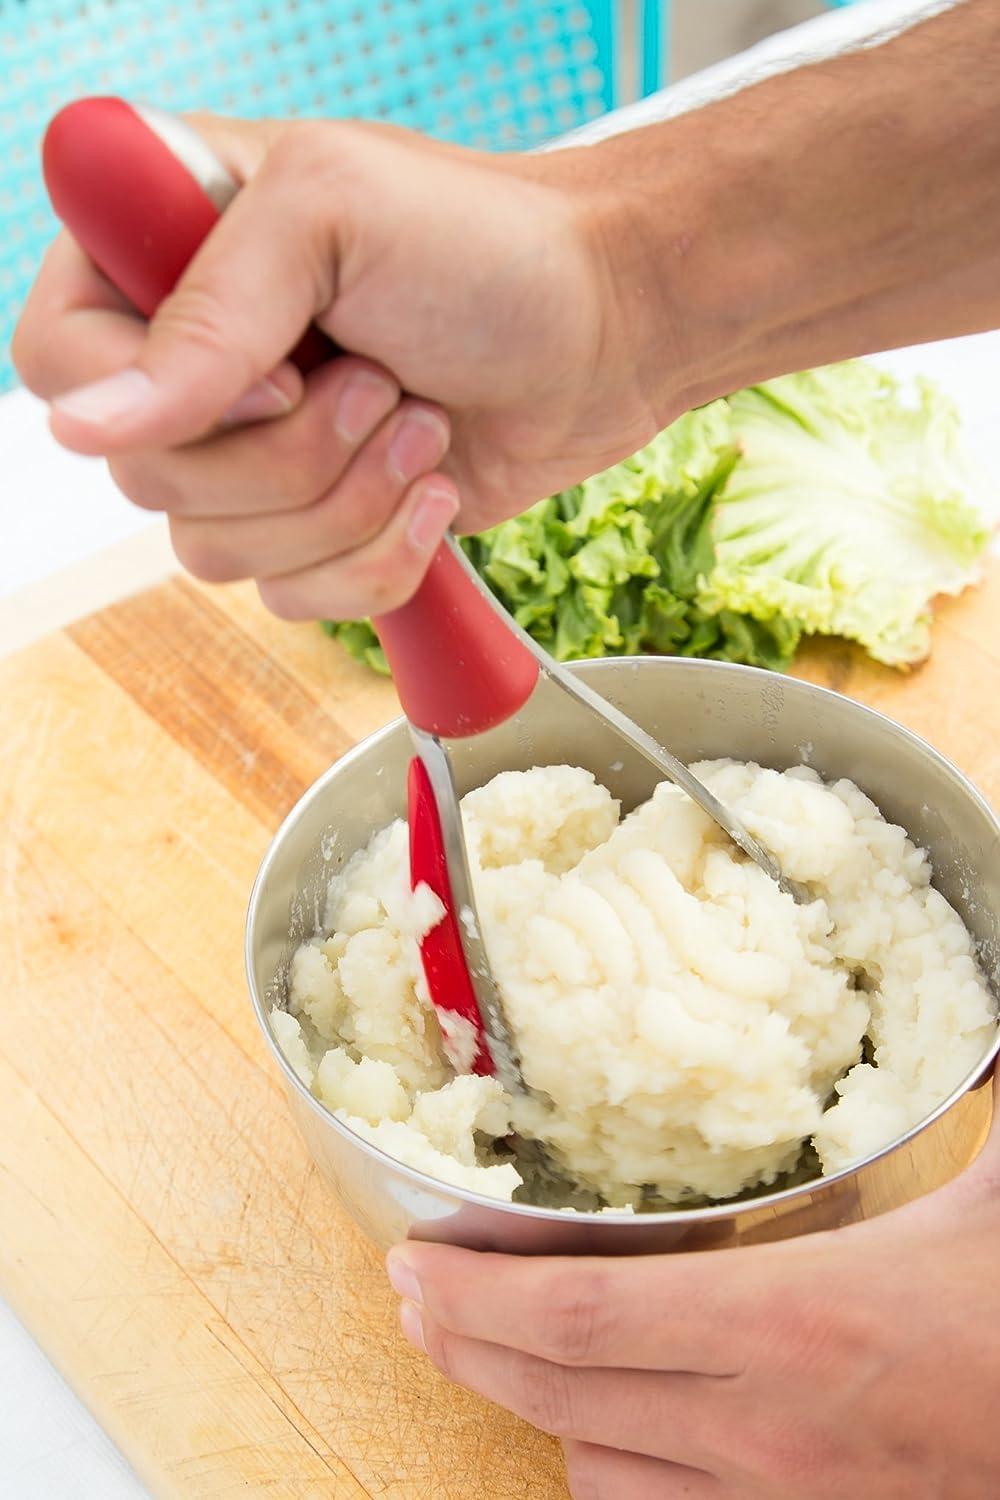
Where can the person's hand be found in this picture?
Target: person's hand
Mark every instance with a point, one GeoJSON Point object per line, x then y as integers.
{"type": "Point", "coordinates": [477, 286]}
{"type": "Point", "coordinates": [864, 1362]}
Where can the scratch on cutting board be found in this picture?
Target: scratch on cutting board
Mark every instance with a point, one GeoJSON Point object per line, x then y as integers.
{"type": "Point", "coordinates": [27, 743]}
{"type": "Point", "coordinates": [190, 839]}
{"type": "Point", "coordinates": [102, 1303]}
{"type": "Point", "coordinates": [97, 993]}
{"type": "Point", "coordinates": [25, 1187]}
{"type": "Point", "coordinates": [235, 1347]}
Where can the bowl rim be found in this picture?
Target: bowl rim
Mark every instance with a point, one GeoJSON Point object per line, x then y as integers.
{"type": "Point", "coordinates": [673, 1217]}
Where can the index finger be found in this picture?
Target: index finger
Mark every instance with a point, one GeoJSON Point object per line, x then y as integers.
{"type": "Point", "coordinates": [696, 1313]}
{"type": "Point", "coordinates": [75, 326]}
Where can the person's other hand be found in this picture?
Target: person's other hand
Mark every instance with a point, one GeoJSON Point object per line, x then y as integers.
{"type": "Point", "coordinates": [863, 1362]}
{"type": "Point", "coordinates": [489, 363]}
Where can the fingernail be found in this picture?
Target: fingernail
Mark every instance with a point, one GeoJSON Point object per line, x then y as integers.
{"type": "Point", "coordinates": [435, 512]}
{"type": "Point", "coordinates": [265, 399]}
{"type": "Point", "coordinates": [412, 1325]}
{"type": "Point", "coordinates": [419, 442]}
{"type": "Point", "coordinates": [104, 402]}
{"type": "Point", "coordinates": [402, 1277]}
{"type": "Point", "coordinates": [364, 401]}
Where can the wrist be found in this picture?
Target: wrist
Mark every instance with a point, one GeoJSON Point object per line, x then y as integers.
{"type": "Point", "coordinates": [686, 269]}
{"type": "Point", "coordinates": [640, 267]}
{"type": "Point", "coordinates": [824, 213]}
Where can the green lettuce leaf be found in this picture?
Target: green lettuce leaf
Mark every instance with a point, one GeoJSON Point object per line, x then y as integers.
{"type": "Point", "coordinates": [361, 641]}
{"type": "Point", "coordinates": [818, 502]}
{"type": "Point", "coordinates": [613, 566]}
{"type": "Point", "coordinates": [849, 510]}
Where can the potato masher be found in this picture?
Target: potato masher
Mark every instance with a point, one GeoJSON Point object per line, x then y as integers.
{"type": "Point", "coordinates": [140, 190]}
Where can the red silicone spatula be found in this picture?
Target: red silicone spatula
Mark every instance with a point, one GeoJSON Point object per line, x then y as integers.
{"type": "Point", "coordinates": [139, 190]}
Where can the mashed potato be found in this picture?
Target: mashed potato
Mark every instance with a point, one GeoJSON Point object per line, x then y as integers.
{"type": "Point", "coordinates": [687, 1029]}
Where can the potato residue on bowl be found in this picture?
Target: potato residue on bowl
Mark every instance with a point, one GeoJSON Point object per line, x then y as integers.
{"type": "Point", "coordinates": [690, 1031]}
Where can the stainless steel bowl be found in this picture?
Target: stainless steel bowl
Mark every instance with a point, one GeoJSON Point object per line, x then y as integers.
{"type": "Point", "coordinates": [700, 710]}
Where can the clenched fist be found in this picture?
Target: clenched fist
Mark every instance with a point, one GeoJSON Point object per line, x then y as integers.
{"type": "Point", "coordinates": [488, 361]}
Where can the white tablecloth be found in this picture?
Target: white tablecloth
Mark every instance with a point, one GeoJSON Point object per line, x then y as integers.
{"type": "Point", "coordinates": [61, 511]}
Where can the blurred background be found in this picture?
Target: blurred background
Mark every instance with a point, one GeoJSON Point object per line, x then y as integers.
{"type": "Point", "coordinates": [701, 32]}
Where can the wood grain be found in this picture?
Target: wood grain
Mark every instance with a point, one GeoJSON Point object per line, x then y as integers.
{"type": "Point", "coordinates": [951, 699]}
{"type": "Point", "coordinates": [164, 1234]}
{"type": "Point", "coordinates": [225, 701]}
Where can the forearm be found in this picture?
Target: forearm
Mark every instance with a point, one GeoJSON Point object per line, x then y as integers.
{"type": "Point", "coordinates": [844, 207]}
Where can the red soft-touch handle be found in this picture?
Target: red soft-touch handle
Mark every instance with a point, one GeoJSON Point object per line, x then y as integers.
{"type": "Point", "coordinates": [458, 668]}
{"type": "Point", "coordinates": [441, 948]}
{"type": "Point", "coordinates": [125, 197]}
{"type": "Point", "coordinates": [134, 205]}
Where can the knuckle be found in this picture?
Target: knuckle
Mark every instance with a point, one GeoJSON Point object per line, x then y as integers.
{"type": "Point", "coordinates": [547, 1397]}
{"type": "Point", "coordinates": [790, 1455]}
{"type": "Point", "coordinates": [573, 1327]}
{"type": "Point", "coordinates": [303, 143]}
{"type": "Point", "coordinates": [283, 599]}
{"type": "Point", "coordinates": [313, 154]}
{"type": "Point", "coordinates": [146, 486]}
{"type": "Point", "coordinates": [277, 457]}
{"type": "Point", "coordinates": [195, 315]}
{"type": "Point", "coordinates": [798, 1336]}
{"type": "Point", "coordinates": [808, 1333]}
{"type": "Point", "coordinates": [311, 159]}
{"type": "Point", "coordinates": [293, 456]}
{"type": "Point", "coordinates": [310, 146]}
{"type": "Point", "coordinates": [297, 483]}
{"type": "Point", "coordinates": [201, 555]}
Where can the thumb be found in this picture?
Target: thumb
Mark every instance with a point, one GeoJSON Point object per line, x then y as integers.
{"type": "Point", "coordinates": [257, 281]}
{"type": "Point", "coordinates": [695, 1312]}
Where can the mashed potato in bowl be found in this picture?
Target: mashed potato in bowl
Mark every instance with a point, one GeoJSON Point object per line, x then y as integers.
{"type": "Point", "coordinates": [690, 1032]}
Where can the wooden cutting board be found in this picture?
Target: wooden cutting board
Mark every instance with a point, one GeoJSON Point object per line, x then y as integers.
{"type": "Point", "coordinates": [163, 1232]}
